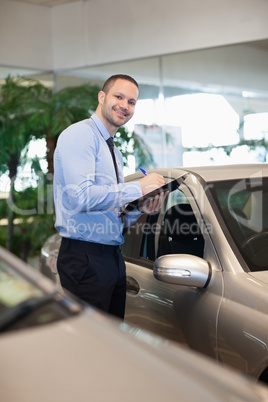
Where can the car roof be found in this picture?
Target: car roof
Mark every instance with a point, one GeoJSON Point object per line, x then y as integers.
{"type": "Point", "coordinates": [210, 173]}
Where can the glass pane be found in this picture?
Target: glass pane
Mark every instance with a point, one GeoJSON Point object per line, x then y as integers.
{"type": "Point", "coordinates": [13, 288]}
{"type": "Point", "coordinates": [180, 232]}
{"type": "Point", "coordinates": [243, 205]}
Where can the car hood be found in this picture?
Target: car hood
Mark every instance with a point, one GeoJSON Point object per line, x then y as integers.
{"type": "Point", "coordinates": [83, 358]}
{"type": "Point", "coordinates": [261, 276]}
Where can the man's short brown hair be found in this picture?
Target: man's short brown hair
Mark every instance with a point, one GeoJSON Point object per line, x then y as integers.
{"type": "Point", "coordinates": [110, 81]}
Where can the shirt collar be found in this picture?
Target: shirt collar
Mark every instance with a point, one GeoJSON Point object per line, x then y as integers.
{"type": "Point", "coordinates": [101, 127]}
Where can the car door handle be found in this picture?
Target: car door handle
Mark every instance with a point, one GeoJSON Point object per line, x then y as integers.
{"type": "Point", "coordinates": [132, 286]}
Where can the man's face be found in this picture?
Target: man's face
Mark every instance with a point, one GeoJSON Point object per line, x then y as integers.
{"type": "Point", "coordinates": [118, 104]}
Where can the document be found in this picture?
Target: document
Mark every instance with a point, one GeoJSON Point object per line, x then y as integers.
{"type": "Point", "coordinates": [170, 186]}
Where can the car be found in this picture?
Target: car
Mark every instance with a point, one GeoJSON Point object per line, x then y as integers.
{"type": "Point", "coordinates": [197, 271]}
{"type": "Point", "coordinates": [55, 348]}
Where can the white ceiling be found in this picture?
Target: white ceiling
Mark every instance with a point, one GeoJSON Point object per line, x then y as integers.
{"type": "Point", "coordinates": [46, 2]}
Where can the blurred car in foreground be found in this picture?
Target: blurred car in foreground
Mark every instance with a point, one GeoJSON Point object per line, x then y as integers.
{"type": "Point", "coordinates": [53, 348]}
{"type": "Point", "coordinates": [197, 271]}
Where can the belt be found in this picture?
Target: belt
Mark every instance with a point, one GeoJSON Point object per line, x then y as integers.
{"type": "Point", "coordinates": [87, 245]}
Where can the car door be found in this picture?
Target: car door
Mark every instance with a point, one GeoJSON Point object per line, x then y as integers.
{"type": "Point", "coordinates": [182, 313]}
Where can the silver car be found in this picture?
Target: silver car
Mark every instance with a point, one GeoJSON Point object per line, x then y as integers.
{"type": "Point", "coordinates": [53, 348]}
{"type": "Point", "coordinates": [197, 270]}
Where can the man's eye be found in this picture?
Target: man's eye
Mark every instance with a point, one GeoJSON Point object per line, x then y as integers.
{"type": "Point", "coordinates": [132, 103]}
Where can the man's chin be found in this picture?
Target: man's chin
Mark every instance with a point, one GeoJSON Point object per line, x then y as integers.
{"type": "Point", "coordinates": [121, 121]}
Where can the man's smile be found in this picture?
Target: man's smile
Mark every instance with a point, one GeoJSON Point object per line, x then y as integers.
{"type": "Point", "coordinates": [120, 113]}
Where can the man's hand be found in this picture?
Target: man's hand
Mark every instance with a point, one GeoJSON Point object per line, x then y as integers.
{"type": "Point", "coordinates": [152, 204]}
{"type": "Point", "coordinates": [151, 182]}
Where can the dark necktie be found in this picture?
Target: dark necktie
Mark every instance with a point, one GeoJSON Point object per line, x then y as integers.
{"type": "Point", "coordinates": [110, 143]}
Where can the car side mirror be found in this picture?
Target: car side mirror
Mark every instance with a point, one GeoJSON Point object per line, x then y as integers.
{"type": "Point", "coordinates": [182, 269]}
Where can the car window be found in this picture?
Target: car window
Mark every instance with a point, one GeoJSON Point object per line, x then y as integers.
{"type": "Point", "coordinates": [151, 230]}
{"type": "Point", "coordinates": [174, 230]}
{"type": "Point", "coordinates": [14, 289]}
{"type": "Point", "coordinates": [133, 237]}
{"type": "Point", "coordinates": [24, 304]}
{"type": "Point", "coordinates": [243, 206]}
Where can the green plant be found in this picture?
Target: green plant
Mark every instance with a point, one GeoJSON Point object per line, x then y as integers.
{"type": "Point", "coordinates": [55, 113]}
{"type": "Point", "coordinates": [18, 102]}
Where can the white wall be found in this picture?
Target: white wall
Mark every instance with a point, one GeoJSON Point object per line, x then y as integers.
{"type": "Point", "coordinates": [25, 35]}
{"type": "Point", "coordinates": [93, 32]}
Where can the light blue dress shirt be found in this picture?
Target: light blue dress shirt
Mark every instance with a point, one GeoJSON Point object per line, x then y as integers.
{"type": "Point", "coordinates": [87, 196]}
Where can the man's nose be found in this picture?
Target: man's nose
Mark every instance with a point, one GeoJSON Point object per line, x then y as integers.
{"type": "Point", "coordinates": [124, 104]}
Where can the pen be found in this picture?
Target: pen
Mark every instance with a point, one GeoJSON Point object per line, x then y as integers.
{"type": "Point", "coordinates": [143, 171]}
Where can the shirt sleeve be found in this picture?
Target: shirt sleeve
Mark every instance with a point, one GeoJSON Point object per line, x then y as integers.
{"type": "Point", "coordinates": [88, 180]}
{"type": "Point", "coordinates": [132, 217]}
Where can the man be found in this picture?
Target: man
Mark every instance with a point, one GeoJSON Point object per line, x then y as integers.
{"type": "Point", "coordinates": [89, 193]}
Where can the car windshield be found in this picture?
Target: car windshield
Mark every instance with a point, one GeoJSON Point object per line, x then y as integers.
{"type": "Point", "coordinates": [24, 304]}
{"type": "Point", "coordinates": [243, 206]}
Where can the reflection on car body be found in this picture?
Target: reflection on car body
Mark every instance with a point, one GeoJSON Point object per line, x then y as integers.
{"type": "Point", "coordinates": [197, 271]}
{"type": "Point", "coordinates": [53, 348]}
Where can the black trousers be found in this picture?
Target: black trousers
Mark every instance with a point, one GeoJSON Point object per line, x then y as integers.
{"type": "Point", "coordinates": [96, 273]}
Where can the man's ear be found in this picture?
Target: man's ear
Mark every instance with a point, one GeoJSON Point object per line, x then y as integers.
{"type": "Point", "coordinates": [101, 96]}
